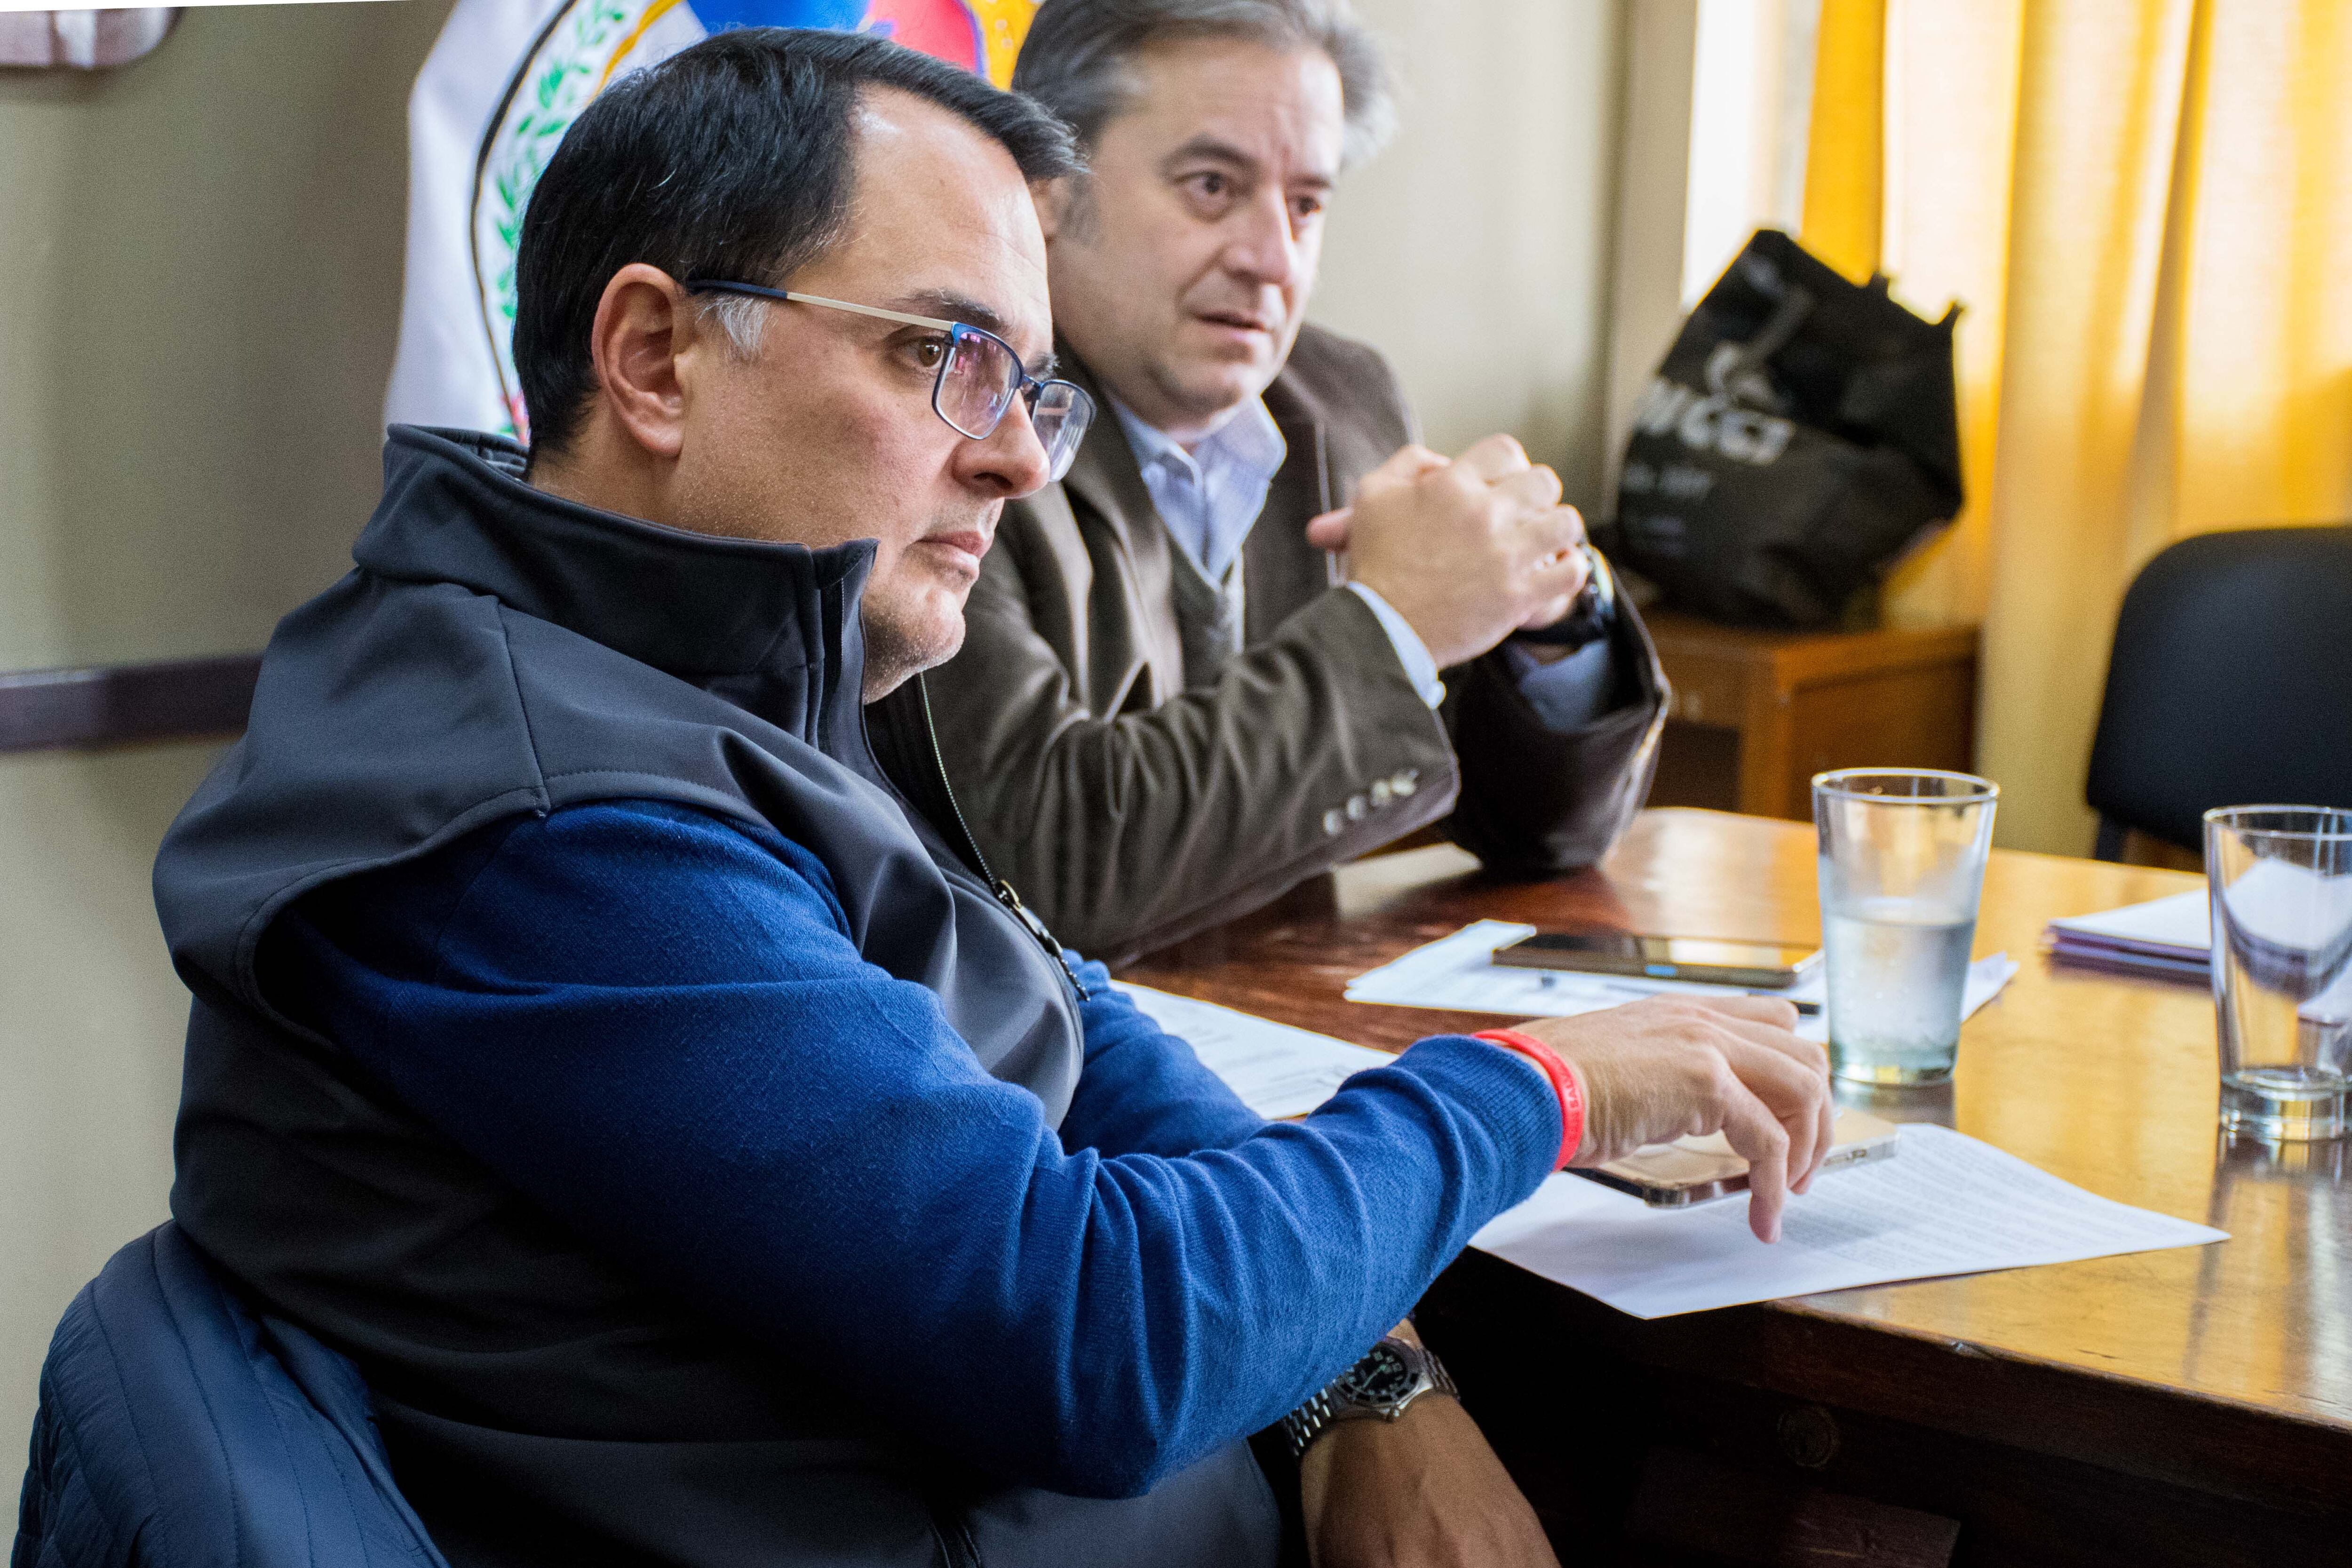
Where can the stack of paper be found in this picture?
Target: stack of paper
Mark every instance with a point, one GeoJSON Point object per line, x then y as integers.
{"type": "Point", "coordinates": [2168, 936]}
{"type": "Point", "coordinates": [1459, 973]}
{"type": "Point", "coordinates": [1951, 1205]}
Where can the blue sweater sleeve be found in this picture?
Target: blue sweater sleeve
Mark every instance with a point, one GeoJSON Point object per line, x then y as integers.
{"type": "Point", "coordinates": [1142, 1091]}
{"type": "Point", "coordinates": [654, 1024]}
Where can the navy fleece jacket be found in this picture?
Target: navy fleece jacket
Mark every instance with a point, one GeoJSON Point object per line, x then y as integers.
{"type": "Point", "coordinates": [654, 1022]}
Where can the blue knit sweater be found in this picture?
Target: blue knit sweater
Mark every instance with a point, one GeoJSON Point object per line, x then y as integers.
{"type": "Point", "coordinates": [655, 1023]}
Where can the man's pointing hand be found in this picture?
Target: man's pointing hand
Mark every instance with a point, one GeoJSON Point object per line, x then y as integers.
{"type": "Point", "coordinates": [1669, 1067]}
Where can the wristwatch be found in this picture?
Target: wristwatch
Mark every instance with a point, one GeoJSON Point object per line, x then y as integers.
{"type": "Point", "coordinates": [1590, 619]}
{"type": "Point", "coordinates": [1391, 1375]}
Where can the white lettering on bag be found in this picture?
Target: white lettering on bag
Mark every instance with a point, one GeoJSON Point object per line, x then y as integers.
{"type": "Point", "coordinates": [1676, 481]}
{"type": "Point", "coordinates": [1712, 424]}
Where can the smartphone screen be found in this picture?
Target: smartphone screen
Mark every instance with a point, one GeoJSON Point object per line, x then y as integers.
{"type": "Point", "coordinates": [1662, 957]}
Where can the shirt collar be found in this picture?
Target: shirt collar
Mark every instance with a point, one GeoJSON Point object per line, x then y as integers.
{"type": "Point", "coordinates": [1249, 442]}
{"type": "Point", "coordinates": [1209, 499]}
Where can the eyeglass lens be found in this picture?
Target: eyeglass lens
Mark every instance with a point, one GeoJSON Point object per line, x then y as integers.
{"type": "Point", "coordinates": [976, 388]}
{"type": "Point", "coordinates": [1059, 417]}
{"type": "Point", "coordinates": [975, 385]}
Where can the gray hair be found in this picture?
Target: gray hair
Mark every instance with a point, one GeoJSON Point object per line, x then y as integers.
{"type": "Point", "coordinates": [741, 318]}
{"type": "Point", "coordinates": [1075, 60]}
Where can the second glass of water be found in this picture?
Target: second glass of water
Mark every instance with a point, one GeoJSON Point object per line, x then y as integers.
{"type": "Point", "coordinates": [1902, 864]}
{"type": "Point", "coordinates": [2281, 881]}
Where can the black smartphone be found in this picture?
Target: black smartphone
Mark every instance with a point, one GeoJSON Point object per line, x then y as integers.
{"type": "Point", "coordinates": [1710, 960]}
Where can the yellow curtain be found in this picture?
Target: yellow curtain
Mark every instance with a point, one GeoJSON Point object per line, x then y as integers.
{"type": "Point", "coordinates": [1844, 219]}
{"type": "Point", "coordinates": [2146, 206]}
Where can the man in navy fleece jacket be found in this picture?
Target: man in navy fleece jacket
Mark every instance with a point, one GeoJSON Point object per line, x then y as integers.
{"type": "Point", "coordinates": [698, 1151]}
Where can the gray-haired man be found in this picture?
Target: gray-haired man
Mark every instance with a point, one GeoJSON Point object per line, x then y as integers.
{"type": "Point", "coordinates": [1179, 695]}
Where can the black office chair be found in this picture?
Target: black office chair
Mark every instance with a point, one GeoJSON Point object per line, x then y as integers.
{"type": "Point", "coordinates": [2231, 684]}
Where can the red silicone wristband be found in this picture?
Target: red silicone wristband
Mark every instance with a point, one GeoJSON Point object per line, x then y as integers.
{"type": "Point", "coordinates": [1564, 1084]}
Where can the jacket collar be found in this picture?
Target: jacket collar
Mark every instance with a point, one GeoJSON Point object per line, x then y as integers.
{"type": "Point", "coordinates": [456, 509]}
{"type": "Point", "coordinates": [1104, 474]}
{"type": "Point", "coordinates": [1301, 423]}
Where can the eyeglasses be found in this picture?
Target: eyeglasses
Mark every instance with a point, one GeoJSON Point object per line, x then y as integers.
{"type": "Point", "coordinates": [979, 377]}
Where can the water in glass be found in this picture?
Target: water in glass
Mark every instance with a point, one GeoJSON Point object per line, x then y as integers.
{"type": "Point", "coordinates": [1902, 864]}
{"type": "Point", "coordinates": [1896, 976]}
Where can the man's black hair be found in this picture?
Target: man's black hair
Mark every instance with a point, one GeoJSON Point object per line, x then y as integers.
{"type": "Point", "coordinates": [731, 160]}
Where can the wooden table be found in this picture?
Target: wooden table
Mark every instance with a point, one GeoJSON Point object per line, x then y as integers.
{"type": "Point", "coordinates": [2185, 1407]}
{"type": "Point", "coordinates": [1757, 714]}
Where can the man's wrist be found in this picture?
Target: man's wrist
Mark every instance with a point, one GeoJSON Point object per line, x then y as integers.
{"type": "Point", "coordinates": [1420, 665]}
{"type": "Point", "coordinates": [1566, 1086]}
{"type": "Point", "coordinates": [1384, 1384]}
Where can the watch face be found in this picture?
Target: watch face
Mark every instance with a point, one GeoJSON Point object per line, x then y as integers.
{"type": "Point", "coordinates": [1381, 1378]}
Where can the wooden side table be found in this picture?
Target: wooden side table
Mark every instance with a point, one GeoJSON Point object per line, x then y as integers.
{"type": "Point", "coordinates": [1756, 714]}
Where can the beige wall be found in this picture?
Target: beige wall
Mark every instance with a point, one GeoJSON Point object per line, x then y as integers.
{"type": "Point", "coordinates": [1475, 252]}
{"type": "Point", "coordinates": [91, 1017]}
{"type": "Point", "coordinates": [203, 255]}
{"type": "Point", "coordinates": [203, 259]}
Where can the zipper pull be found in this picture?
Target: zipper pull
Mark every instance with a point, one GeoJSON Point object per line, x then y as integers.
{"type": "Point", "coordinates": [1036, 928]}
{"type": "Point", "coordinates": [979, 862]}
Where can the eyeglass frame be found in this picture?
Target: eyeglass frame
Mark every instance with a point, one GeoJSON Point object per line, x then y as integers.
{"type": "Point", "coordinates": [1026, 387]}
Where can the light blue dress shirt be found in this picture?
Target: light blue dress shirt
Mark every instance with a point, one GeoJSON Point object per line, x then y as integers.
{"type": "Point", "coordinates": [1210, 498]}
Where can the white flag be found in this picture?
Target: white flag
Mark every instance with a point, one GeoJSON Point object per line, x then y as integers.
{"type": "Point", "coordinates": [503, 83]}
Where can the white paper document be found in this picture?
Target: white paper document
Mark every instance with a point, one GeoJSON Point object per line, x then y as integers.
{"type": "Point", "coordinates": [1459, 972]}
{"type": "Point", "coordinates": [2181, 922]}
{"type": "Point", "coordinates": [1276, 1069]}
{"type": "Point", "coordinates": [1946, 1205]}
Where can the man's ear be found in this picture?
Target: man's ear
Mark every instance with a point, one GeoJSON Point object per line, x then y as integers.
{"type": "Point", "coordinates": [1061, 206]}
{"type": "Point", "coordinates": [644, 329]}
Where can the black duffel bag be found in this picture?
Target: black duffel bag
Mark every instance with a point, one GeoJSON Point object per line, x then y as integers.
{"type": "Point", "coordinates": [1801, 439]}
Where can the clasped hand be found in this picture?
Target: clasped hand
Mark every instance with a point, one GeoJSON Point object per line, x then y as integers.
{"type": "Point", "coordinates": [1467, 551]}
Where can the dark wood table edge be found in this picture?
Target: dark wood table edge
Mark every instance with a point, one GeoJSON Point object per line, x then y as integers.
{"type": "Point", "coordinates": [1803, 1349]}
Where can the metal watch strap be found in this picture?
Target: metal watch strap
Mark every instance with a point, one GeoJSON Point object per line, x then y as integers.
{"type": "Point", "coordinates": [1329, 1404]}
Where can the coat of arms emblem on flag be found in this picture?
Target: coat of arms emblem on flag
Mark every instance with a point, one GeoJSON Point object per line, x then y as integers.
{"type": "Point", "coordinates": [504, 81]}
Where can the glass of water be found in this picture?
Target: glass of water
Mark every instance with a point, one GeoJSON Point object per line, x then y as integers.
{"type": "Point", "coordinates": [1902, 864]}
{"type": "Point", "coordinates": [2280, 878]}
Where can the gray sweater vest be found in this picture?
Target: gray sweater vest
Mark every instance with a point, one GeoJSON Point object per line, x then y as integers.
{"type": "Point", "coordinates": [496, 652]}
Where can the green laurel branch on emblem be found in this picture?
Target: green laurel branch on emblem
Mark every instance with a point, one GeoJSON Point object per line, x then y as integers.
{"type": "Point", "coordinates": [556, 85]}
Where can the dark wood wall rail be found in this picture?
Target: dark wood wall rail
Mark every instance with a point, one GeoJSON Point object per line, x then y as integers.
{"type": "Point", "coordinates": [117, 704]}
